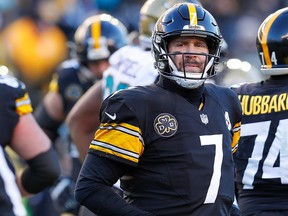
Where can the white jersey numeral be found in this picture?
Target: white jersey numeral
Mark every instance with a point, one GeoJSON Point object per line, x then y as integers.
{"type": "Point", "coordinates": [279, 147]}
{"type": "Point", "coordinates": [216, 140]}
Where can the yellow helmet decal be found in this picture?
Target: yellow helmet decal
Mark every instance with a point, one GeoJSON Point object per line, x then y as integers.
{"type": "Point", "coordinates": [265, 31]}
{"type": "Point", "coordinates": [192, 15]}
{"type": "Point", "coordinates": [96, 33]}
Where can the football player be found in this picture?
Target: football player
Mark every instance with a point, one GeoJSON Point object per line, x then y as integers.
{"type": "Point", "coordinates": [169, 143]}
{"type": "Point", "coordinates": [22, 134]}
{"type": "Point", "coordinates": [95, 40]}
{"type": "Point", "coordinates": [262, 158]}
{"type": "Point", "coordinates": [129, 66]}
{"type": "Point", "coordinates": [233, 70]}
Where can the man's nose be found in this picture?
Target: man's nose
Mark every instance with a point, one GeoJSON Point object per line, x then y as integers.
{"type": "Point", "coordinates": [191, 49]}
{"type": "Point", "coordinates": [190, 54]}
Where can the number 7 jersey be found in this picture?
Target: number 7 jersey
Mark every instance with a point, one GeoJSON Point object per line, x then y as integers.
{"type": "Point", "coordinates": [180, 156]}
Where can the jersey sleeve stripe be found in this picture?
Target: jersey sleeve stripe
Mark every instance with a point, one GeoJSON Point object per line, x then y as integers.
{"type": "Point", "coordinates": [236, 136]}
{"type": "Point", "coordinates": [10, 186]}
{"type": "Point", "coordinates": [113, 150]}
{"type": "Point", "coordinates": [23, 105]}
{"type": "Point", "coordinates": [53, 85]}
{"type": "Point", "coordinates": [125, 128]}
{"type": "Point", "coordinates": [123, 140]}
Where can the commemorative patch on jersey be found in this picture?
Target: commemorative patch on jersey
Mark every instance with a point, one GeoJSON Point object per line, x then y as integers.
{"type": "Point", "coordinates": [73, 92]}
{"type": "Point", "coordinates": [165, 125]}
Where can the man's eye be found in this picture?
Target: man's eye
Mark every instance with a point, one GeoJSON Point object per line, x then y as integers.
{"type": "Point", "coordinates": [202, 45]}
{"type": "Point", "coordinates": [179, 44]}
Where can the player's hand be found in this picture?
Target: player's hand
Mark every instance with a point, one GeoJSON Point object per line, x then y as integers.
{"type": "Point", "coordinates": [62, 195]}
{"type": "Point", "coordinates": [235, 211]}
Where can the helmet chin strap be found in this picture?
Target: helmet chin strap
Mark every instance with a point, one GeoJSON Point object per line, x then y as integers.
{"type": "Point", "coordinates": [172, 65]}
{"type": "Point", "coordinates": [209, 65]}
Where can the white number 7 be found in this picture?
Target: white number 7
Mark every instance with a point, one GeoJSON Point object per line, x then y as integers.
{"type": "Point", "coordinates": [215, 180]}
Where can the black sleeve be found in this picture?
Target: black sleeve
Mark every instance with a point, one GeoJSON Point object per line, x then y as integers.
{"type": "Point", "coordinates": [42, 171]}
{"type": "Point", "coordinates": [48, 124]}
{"type": "Point", "coordinates": [94, 187]}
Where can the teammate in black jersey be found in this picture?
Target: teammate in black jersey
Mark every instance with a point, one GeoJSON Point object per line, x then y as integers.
{"type": "Point", "coordinates": [170, 143]}
{"type": "Point", "coordinates": [22, 134]}
{"type": "Point", "coordinates": [262, 158]}
{"type": "Point", "coordinates": [95, 40]}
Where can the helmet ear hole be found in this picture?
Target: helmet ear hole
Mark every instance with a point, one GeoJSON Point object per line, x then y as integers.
{"type": "Point", "coordinates": [163, 64]}
{"type": "Point", "coordinates": [98, 37]}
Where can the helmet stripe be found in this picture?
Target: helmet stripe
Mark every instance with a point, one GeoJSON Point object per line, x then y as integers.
{"type": "Point", "coordinates": [96, 33]}
{"type": "Point", "coordinates": [192, 14]}
{"type": "Point", "coordinates": [265, 32]}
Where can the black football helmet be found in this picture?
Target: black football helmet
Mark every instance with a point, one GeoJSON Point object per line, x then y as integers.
{"type": "Point", "coordinates": [185, 19]}
{"type": "Point", "coordinates": [272, 43]}
{"type": "Point", "coordinates": [150, 13]}
{"type": "Point", "coordinates": [98, 37]}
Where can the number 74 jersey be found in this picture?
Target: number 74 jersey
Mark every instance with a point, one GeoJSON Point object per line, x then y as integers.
{"type": "Point", "coordinates": [262, 157]}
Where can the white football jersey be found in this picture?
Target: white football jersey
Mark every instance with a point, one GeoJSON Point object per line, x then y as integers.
{"type": "Point", "coordinates": [129, 66]}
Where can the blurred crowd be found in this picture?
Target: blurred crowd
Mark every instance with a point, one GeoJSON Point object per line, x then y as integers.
{"type": "Point", "coordinates": [36, 35]}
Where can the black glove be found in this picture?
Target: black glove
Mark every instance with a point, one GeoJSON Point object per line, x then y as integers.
{"type": "Point", "coordinates": [62, 195]}
{"type": "Point", "coordinates": [235, 211]}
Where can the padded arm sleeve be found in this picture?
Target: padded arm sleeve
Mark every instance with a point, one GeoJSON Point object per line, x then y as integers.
{"type": "Point", "coordinates": [94, 188]}
{"type": "Point", "coordinates": [42, 171]}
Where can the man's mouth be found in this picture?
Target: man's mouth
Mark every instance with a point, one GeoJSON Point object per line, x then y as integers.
{"type": "Point", "coordinates": [191, 64]}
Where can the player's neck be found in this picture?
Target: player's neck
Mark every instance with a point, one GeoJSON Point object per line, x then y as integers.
{"type": "Point", "coordinates": [194, 96]}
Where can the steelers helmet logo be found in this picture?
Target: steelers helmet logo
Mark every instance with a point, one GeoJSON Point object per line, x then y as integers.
{"type": "Point", "coordinates": [165, 125]}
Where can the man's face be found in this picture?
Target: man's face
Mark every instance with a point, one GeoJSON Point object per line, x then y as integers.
{"type": "Point", "coordinates": [190, 63]}
{"type": "Point", "coordinates": [98, 67]}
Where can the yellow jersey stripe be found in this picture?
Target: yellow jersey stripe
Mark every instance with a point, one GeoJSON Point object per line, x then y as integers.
{"type": "Point", "coordinates": [113, 150]}
{"type": "Point", "coordinates": [122, 140]}
{"type": "Point", "coordinates": [124, 127]}
{"type": "Point", "coordinates": [265, 36]}
{"type": "Point", "coordinates": [192, 14]}
{"type": "Point", "coordinates": [236, 136]}
{"type": "Point", "coordinates": [23, 105]}
{"type": "Point", "coordinates": [53, 85]}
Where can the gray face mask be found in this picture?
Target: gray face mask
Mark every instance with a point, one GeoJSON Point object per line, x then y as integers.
{"type": "Point", "coordinates": [191, 80]}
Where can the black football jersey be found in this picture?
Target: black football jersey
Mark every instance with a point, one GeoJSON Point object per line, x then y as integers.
{"type": "Point", "coordinates": [262, 157]}
{"type": "Point", "coordinates": [180, 156]}
{"type": "Point", "coordinates": [14, 103]}
{"type": "Point", "coordinates": [70, 83]}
